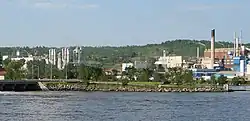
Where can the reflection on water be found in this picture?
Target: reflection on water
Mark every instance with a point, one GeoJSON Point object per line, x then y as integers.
{"type": "Point", "coordinates": [109, 106]}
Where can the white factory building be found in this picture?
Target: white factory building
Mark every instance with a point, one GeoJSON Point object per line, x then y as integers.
{"type": "Point", "coordinates": [169, 61]}
{"type": "Point", "coordinates": [136, 64]}
{"type": "Point", "coordinates": [165, 61]}
{"type": "Point", "coordinates": [140, 64]}
{"type": "Point", "coordinates": [27, 59]}
{"type": "Point", "coordinates": [126, 65]}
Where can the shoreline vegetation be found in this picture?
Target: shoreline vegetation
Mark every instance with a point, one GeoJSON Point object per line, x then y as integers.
{"type": "Point", "coordinates": [154, 78]}
{"type": "Point", "coordinates": [138, 80]}
{"type": "Point", "coordinates": [119, 87]}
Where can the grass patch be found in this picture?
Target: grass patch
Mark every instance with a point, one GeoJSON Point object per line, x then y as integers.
{"type": "Point", "coordinates": [62, 83]}
{"type": "Point", "coordinates": [145, 83]}
{"type": "Point", "coordinates": [186, 86]}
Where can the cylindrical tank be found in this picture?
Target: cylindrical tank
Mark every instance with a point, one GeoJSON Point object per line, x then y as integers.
{"type": "Point", "coordinates": [242, 50]}
{"type": "Point", "coordinates": [17, 53]}
{"type": "Point", "coordinates": [242, 67]}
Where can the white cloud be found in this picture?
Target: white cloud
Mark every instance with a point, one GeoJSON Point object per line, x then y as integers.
{"type": "Point", "coordinates": [48, 5]}
{"type": "Point", "coordinates": [89, 6]}
{"type": "Point", "coordinates": [54, 5]}
{"type": "Point", "coordinates": [202, 7]}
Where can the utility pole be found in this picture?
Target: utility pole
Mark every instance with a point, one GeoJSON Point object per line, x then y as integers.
{"type": "Point", "coordinates": [32, 70]}
{"type": "Point", "coordinates": [66, 68]}
{"type": "Point", "coordinates": [79, 55]}
{"type": "Point", "coordinates": [77, 64]}
{"type": "Point", "coordinates": [51, 71]}
{"type": "Point", "coordinates": [38, 72]}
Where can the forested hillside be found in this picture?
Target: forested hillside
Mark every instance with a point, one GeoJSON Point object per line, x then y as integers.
{"type": "Point", "coordinates": [112, 55]}
{"type": "Point", "coordinates": [185, 48]}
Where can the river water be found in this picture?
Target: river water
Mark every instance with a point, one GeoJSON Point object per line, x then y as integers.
{"type": "Point", "coordinates": [120, 106]}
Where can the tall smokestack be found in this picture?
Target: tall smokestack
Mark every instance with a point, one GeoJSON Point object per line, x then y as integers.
{"type": "Point", "coordinates": [212, 47]}
{"type": "Point", "coordinates": [234, 44]}
{"type": "Point", "coordinates": [237, 46]}
{"type": "Point", "coordinates": [240, 38]}
{"type": "Point", "coordinates": [198, 52]}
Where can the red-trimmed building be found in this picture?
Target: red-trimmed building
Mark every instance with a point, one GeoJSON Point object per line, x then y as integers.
{"type": "Point", "coordinates": [221, 53]}
{"type": "Point", "coordinates": [2, 73]}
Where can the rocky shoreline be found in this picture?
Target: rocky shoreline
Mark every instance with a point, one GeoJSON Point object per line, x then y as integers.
{"type": "Point", "coordinates": [120, 88]}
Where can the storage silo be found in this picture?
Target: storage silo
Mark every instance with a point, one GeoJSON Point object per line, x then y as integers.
{"type": "Point", "coordinates": [242, 67]}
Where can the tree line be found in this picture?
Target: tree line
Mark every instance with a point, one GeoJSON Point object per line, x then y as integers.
{"type": "Point", "coordinates": [177, 76]}
{"type": "Point", "coordinates": [108, 55]}
{"type": "Point", "coordinates": [38, 69]}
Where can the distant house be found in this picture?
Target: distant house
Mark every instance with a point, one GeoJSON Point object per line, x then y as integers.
{"type": "Point", "coordinates": [2, 73]}
{"type": "Point", "coordinates": [108, 71]}
{"type": "Point", "coordinates": [126, 65]}
{"type": "Point", "coordinates": [140, 64]}
{"type": "Point", "coordinates": [27, 59]}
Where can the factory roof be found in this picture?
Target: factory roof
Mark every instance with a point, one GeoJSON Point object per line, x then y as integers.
{"type": "Point", "coordinates": [203, 70]}
{"type": "Point", "coordinates": [220, 49]}
{"type": "Point", "coordinates": [228, 72]}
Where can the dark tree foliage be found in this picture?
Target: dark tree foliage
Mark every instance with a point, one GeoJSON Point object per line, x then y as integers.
{"type": "Point", "coordinates": [111, 55]}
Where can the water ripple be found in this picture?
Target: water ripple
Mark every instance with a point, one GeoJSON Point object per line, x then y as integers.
{"type": "Point", "coordinates": [100, 106]}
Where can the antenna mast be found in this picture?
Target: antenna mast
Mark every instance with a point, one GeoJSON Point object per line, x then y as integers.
{"type": "Point", "coordinates": [241, 41]}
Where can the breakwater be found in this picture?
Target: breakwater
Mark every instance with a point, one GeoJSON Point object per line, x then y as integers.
{"type": "Point", "coordinates": [11, 85]}
{"type": "Point", "coordinates": [63, 86]}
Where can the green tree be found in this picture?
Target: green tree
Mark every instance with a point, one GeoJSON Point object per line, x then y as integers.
{"type": "Point", "coordinates": [222, 80]}
{"type": "Point", "coordinates": [201, 81]}
{"type": "Point", "coordinates": [236, 81]}
{"type": "Point", "coordinates": [111, 55]}
{"type": "Point", "coordinates": [213, 80]}
{"type": "Point", "coordinates": [1, 59]}
{"type": "Point", "coordinates": [178, 78]}
{"type": "Point", "coordinates": [157, 77]}
{"type": "Point", "coordinates": [151, 63]}
{"type": "Point", "coordinates": [123, 75]}
{"type": "Point", "coordinates": [52, 69]}
{"type": "Point", "coordinates": [71, 70]}
{"type": "Point", "coordinates": [84, 72]}
{"type": "Point", "coordinates": [176, 75]}
{"type": "Point", "coordinates": [160, 68]}
{"type": "Point", "coordinates": [145, 74]}
{"type": "Point", "coordinates": [188, 76]}
{"type": "Point", "coordinates": [97, 73]}
{"type": "Point", "coordinates": [168, 78]}
{"type": "Point", "coordinates": [125, 82]}
{"type": "Point", "coordinates": [6, 62]}
{"type": "Point", "coordinates": [242, 80]}
{"type": "Point", "coordinates": [38, 67]}
{"type": "Point", "coordinates": [14, 69]}
{"type": "Point", "coordinates": [130, 72]}
{"type": "Point", "coordinates": [114, 74]}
